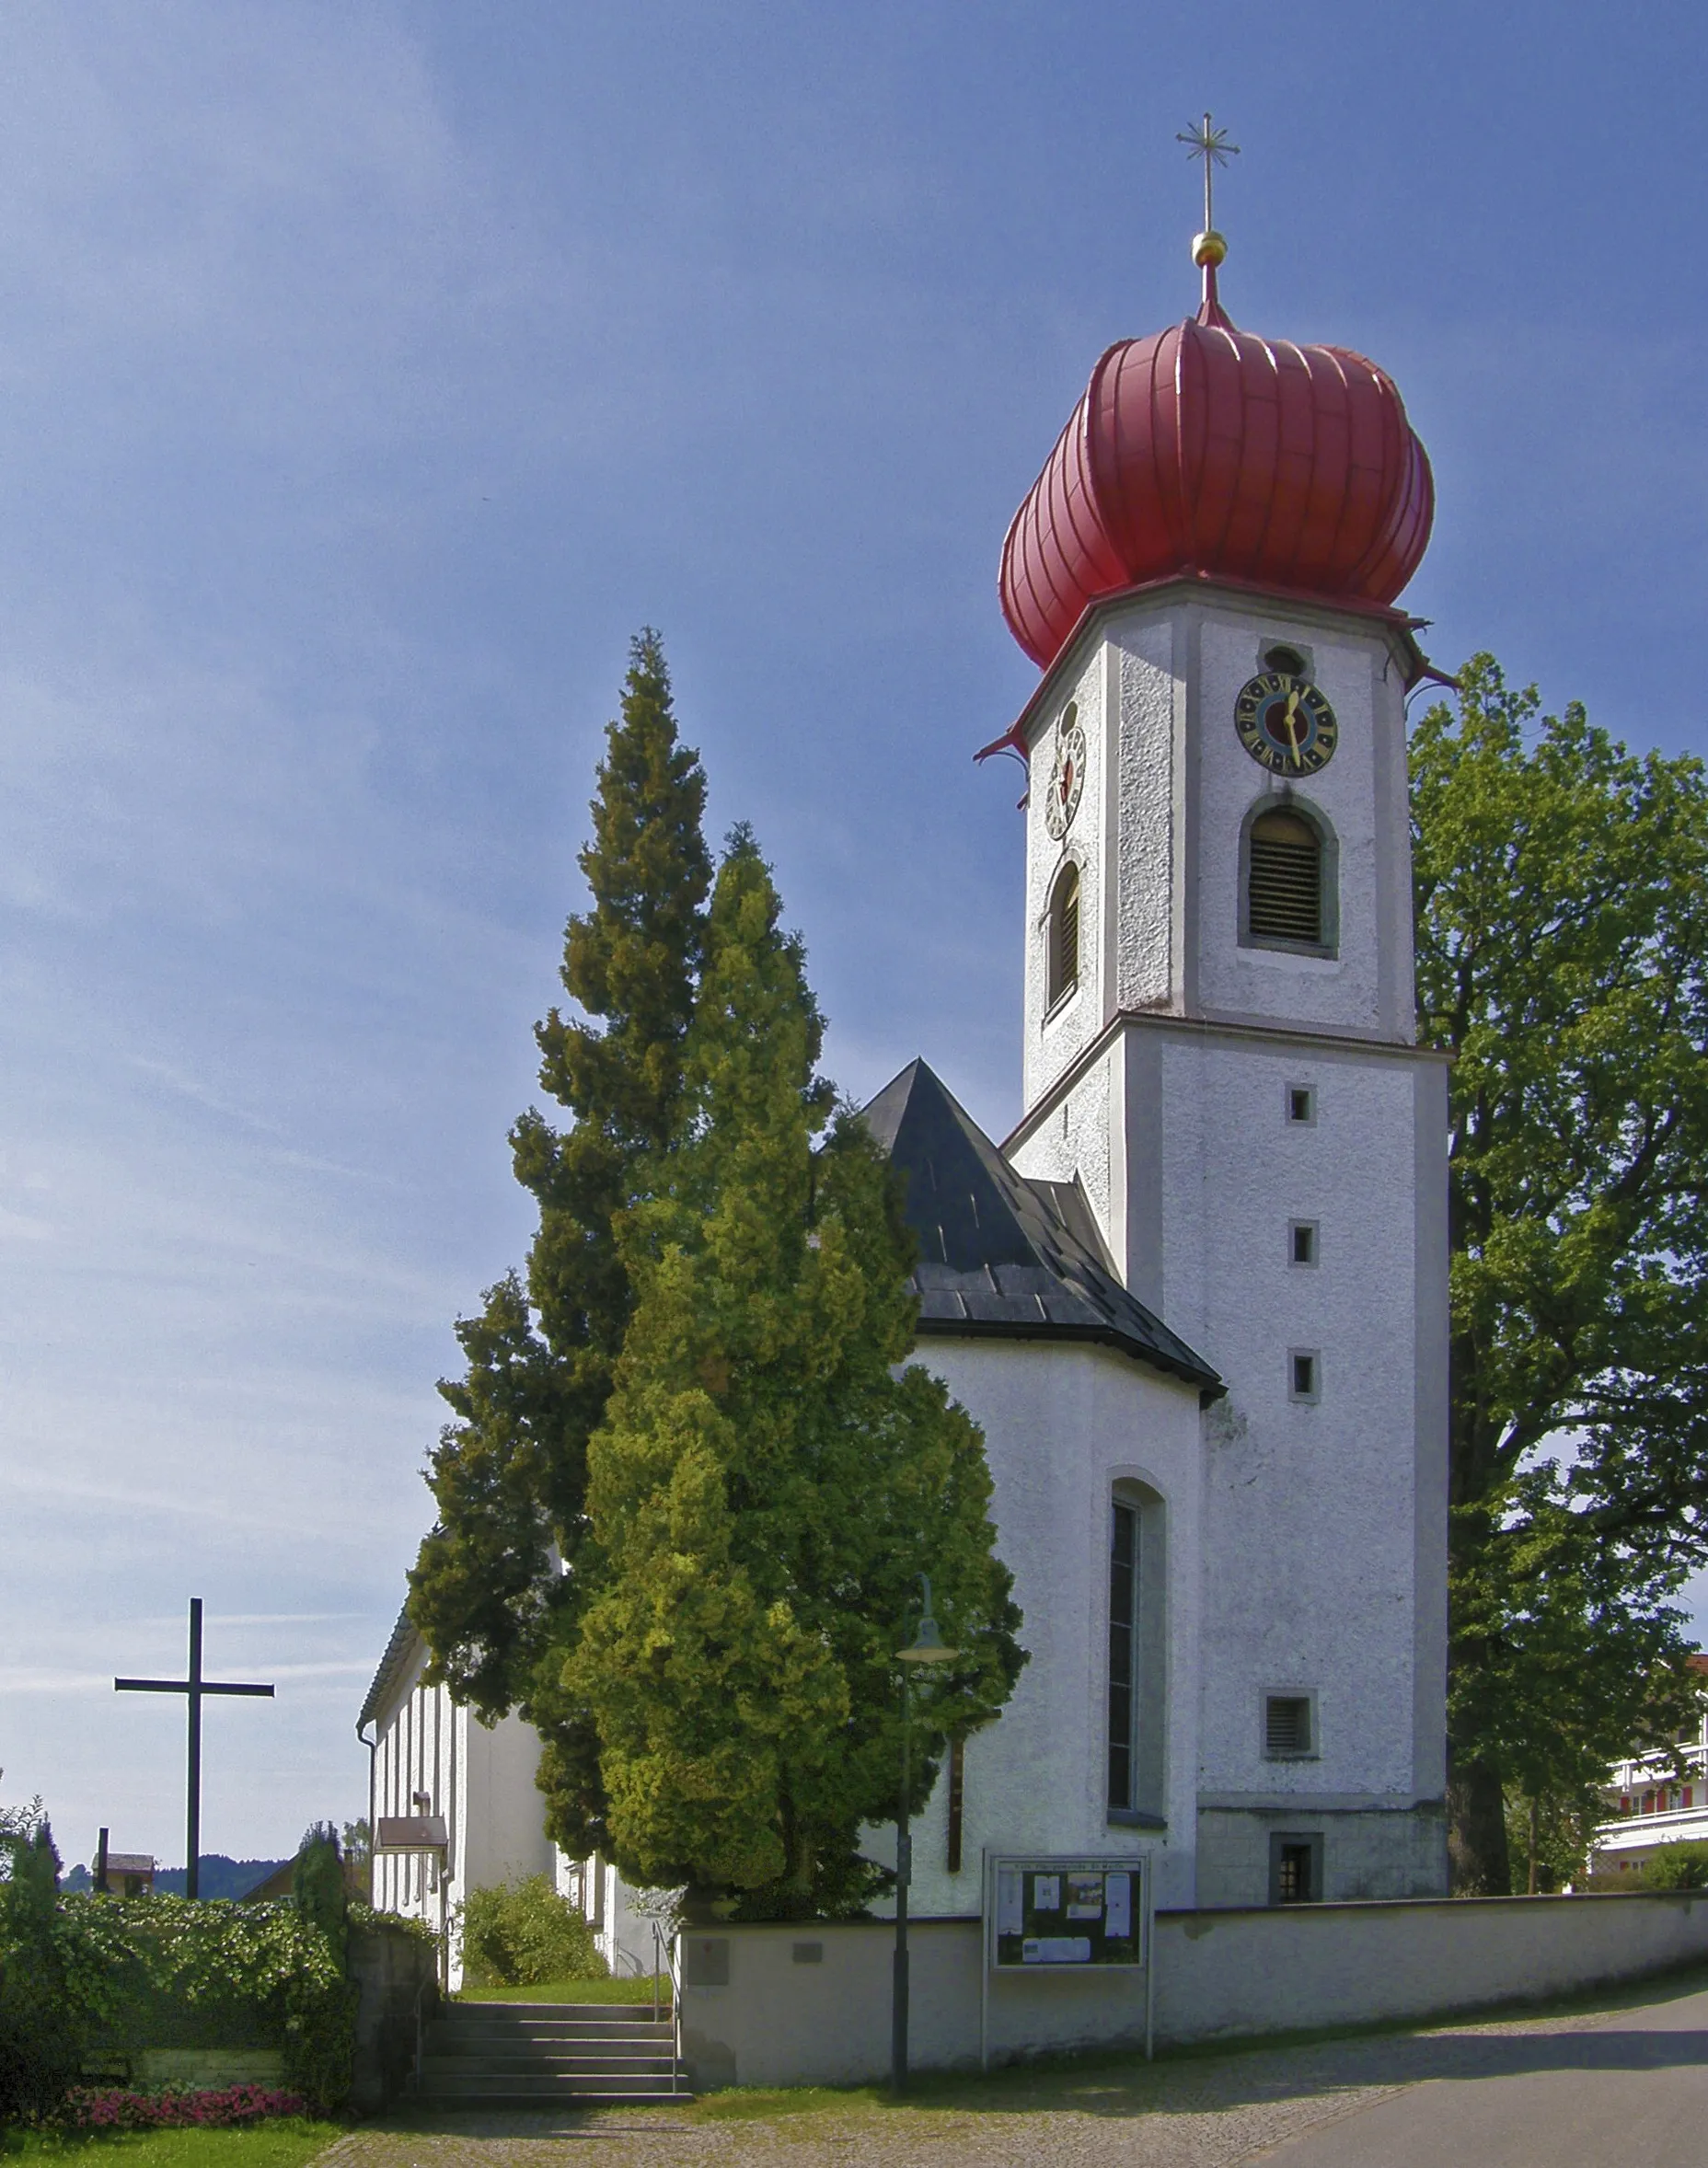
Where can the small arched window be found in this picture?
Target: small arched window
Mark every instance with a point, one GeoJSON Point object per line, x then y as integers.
{"type": "Point", "coordinates": [1283, 881]}
{"type": "Point", "coordinates": [1064, 934]}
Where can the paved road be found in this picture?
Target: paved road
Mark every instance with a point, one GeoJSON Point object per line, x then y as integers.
{"type": "Point", "coordinates": [1631, 2087]}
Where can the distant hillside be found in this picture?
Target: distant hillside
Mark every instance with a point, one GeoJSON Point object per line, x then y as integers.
{"type": "Point", "coordinates": [221, 1877]}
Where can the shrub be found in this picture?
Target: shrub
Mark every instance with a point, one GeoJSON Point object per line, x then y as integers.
{"type": "Point", "coordinates": [1676, 1866]}
{"type": "Point", "coordinates": [40, 2040]}
{"type": "Point", "coordinates": [518, 1933]}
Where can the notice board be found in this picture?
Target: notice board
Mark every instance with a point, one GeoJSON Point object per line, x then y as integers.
{"type": "Point", "coordinates": [1061, 1914]}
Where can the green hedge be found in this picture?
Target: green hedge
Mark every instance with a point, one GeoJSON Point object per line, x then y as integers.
{"type": "Point", "coordinates": [86, 1976]}
{"type": "Point", "coordinates": [172, 1972]}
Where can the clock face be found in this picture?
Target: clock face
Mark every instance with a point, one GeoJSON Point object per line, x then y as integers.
{"type": "Point", "coordinates": [1061, 799]}
{"type": "Point", "coordinates": [1286, 724]}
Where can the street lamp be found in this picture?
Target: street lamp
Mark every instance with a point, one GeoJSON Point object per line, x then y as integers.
{"type": "Point", "coordinates": [928, 1647]}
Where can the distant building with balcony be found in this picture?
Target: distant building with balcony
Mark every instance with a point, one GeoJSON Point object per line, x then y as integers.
{"type": "Point", "coordinates": [1657, 1798]}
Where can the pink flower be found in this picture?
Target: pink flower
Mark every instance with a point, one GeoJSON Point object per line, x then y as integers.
{"type": "Point", "coordinates": [117, 2109]}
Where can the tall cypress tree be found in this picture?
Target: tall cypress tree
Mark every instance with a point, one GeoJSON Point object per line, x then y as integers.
{"type": "Point", "coordinates": [770, 1481]}
{"type": "Point", "coordinates": [498, 1584]}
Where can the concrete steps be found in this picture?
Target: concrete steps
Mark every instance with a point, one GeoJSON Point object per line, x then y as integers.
{"type": "Point", "coordinates": [543, 2054]}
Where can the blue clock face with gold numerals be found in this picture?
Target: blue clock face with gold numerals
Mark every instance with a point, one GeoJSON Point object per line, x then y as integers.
{"type": "Point", "coordinates": [1286, 724]}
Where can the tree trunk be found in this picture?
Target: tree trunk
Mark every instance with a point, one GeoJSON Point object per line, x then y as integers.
{"type": "Point", "coordinates": [1476, 1841]}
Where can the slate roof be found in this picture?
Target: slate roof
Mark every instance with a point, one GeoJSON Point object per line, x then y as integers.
{"type": "Point", "coordinates": [1003, 1256]}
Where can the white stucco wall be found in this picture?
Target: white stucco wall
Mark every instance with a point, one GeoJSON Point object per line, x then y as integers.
{"type": "Point", "coordinates": [501, 1811]}
{"type": "Point", "coordinates": [621, 1929]}
{"type": "Point", "coordinates": [481, 1780]}
{"type": "Point", "coordinates": [1323, 1524]}
{"type": "Point", "coordinates": [1063, 1424]}
{"type": "Point", "coordinates": [786, 2019]}
{"type": "Point", "coordinates": [1054, 1036]}
{"type": "Point", "coordinates": [1322, 1521]}
{"type": "Point", "coordinates": [1080, 1141]}
{"type": "Point", "coordinates": [1168, 787]}
{"type": "Point", "coordinates": [419, 1747]}
{"type": "Point", "coordinates": [1310, 1509]}
{"type": "Point", "coordinates": [1361, 793]}
{"type": "Point", "coordinates": [1143, 896]}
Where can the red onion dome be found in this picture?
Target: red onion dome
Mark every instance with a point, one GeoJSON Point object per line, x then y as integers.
{"type": "Point", "coordinates": [1203, 450]}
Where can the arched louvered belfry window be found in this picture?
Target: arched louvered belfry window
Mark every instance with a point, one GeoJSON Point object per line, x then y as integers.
{"type": "Point", "coordinates": [1064, 933]}
{"type": "Point", "coordinates": [1286, 898]}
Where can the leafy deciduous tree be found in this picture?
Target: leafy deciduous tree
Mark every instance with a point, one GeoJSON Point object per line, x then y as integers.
{"type": "Point", "coordinates": [1562, 908]}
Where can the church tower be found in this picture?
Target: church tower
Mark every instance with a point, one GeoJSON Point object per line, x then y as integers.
{"type": "Point", "coordinates": [1220, 1045]}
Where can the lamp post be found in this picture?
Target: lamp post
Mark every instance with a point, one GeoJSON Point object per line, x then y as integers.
{"type": "Point", "coordinates": [927, 1648]}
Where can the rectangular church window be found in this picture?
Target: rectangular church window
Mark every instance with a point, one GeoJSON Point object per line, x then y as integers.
{"type": "Point", "coordinates": [1303, 1237]}
{"type": "Point", "coordinates": [1304, 1374]}
{"type": "Point", "coordinates": [1301, 1104]}
{"type": "Point", "coordinates": [1123, 1655]}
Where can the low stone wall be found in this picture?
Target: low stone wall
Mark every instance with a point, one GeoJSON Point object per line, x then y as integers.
{"type": "Point", "coordinates": [782, 2005]}
{"type": "Point", "coordinates": [1230, 1974]}
{"type": "Point", "coordinates": [811, 2005]}
{"type": "Point", "coordinates": [395, 1975]}
{"type": "Point", "coordinates": [208, 2069]}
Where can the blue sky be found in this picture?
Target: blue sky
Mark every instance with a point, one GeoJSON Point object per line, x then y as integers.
{"type": "Point", "coordinates": [368, 373]}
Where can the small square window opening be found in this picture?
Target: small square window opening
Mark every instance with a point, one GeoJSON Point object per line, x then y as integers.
{"type": "Point", "coordinates": [1294, 1870]}
{"type": "Point", "coordinates": [1304, 1368]}
{"type": "Point", "coordinates": [1287, 1727]}
{"type": "Point", "coordinates": [1302, 1242]}
{"type": "Point", "coordinates": [1301, 1103]}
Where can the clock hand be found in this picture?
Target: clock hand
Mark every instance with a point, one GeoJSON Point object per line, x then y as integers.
{"type": "Point", "coordinates": [1292, 728]}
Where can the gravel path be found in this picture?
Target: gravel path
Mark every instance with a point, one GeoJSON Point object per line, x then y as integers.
{"type": "Point", "coordinates": [1199, 2112]}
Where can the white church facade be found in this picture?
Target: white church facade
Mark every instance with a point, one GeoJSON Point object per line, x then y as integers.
{"type": "Point", "coordinates": [1197, 1299]}
{"type": "Point", "coordinates": [1265, 1149]}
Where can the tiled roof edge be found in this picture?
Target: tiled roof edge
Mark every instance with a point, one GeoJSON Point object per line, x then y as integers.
{"type": "Point", "coordinates": [405, 1639]}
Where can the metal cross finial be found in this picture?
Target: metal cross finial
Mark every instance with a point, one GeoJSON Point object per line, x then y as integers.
{"type": "Point", "coordinates": [1212, 145]}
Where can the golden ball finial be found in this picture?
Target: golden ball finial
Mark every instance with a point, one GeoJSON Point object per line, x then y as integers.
{"type": "Point", "coordinates": [1208, 250]}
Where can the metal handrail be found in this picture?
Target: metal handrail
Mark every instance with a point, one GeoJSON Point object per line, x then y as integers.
{"type": "Point", "coordinates": [672, 1950]}
{"type": "Point", "coordinates": [421, 2037]}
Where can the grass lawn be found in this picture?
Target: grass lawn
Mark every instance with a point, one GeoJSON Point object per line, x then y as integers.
{"type": "Point", "coordinates": [576, 1990]}
{"type": "Point", "coordinates": [286, 2142]}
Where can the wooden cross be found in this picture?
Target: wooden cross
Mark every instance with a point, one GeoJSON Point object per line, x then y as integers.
{"type": "Point", "coordinates": [195, 1686]}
